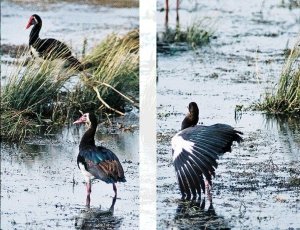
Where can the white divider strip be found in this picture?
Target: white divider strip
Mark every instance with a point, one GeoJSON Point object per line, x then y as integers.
{"type": "Point", "coordinates": [147, 167]}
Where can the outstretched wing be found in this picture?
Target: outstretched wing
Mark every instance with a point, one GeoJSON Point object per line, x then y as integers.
{"type": "Point", "coordinates": [195, 153]}
{"type": "Point", "coordinates": [102, 163]}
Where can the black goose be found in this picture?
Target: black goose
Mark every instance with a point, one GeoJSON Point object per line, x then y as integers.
{"type": "Point", "coordinates": [192, 117]}
{"type": "Point", "coordinates": [97, 162]}
{"type": "Point", "coordinates": [49, 48]}
{"type": "Point", "coordinates": [195, 151]}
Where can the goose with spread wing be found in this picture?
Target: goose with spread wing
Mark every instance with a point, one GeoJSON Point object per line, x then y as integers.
{"type": "Point", "coordinates": [196, 149]}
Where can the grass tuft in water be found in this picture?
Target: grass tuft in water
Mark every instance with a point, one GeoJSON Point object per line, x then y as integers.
{"type": "Point", "coordinates": [195, 35]}
{"type": "Point", "coordinates": [199, 33]}
{"type": "Point", "coordinates": [28, 96]}
{"type": "Point", "coordinates": [286, 98]}
{"type": "Point", "coordinates": [115, 70]}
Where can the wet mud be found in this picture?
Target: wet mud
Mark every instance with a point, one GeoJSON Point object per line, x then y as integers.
{"type": "Point", "coordinates": [257, 184]}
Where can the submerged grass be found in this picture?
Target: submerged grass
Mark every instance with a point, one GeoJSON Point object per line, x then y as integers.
{"type": "Point", "coordinates": [286, 98]}
{"type": "Point", "coordinates": [37, 94]}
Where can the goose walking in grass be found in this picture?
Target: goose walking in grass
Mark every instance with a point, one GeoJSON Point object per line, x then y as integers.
{"type": "Point", "coordinates": [49, 48]}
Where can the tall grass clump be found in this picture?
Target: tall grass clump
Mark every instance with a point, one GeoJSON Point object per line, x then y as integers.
{"type": "Point", "coordinates": [114, 73]}
{"type": "Point", "coordinates": [28, 97]}
{"type": "Point", "coordinates": [286, 98]}
{"type": "Point", "coordinates": [39, 93]}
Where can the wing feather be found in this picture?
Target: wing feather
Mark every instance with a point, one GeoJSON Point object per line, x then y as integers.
{"type": "Point", "coordinates": [195, 153]}
{"type": "Point", "coordinates": [103, 164]}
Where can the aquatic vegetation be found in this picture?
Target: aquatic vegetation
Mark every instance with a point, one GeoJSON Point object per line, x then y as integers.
{"type": "Point", "coordinates": [115, 69]}
{"type": "Point", "coordinates": [29, 95]}
{"type": "Point", "coordinates": [197, 34]}
{"type": "Point", "coordinates": [286, 98]}
{"type": "Point", "coordinates": [290, 4]}
{"type": "Point", "coordinates": [39, 93]}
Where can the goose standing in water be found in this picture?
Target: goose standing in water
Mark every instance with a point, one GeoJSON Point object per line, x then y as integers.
{"type": "Point", "coordinates": [196, 149]}
{"type": "Point", "coordinates": [97, 162]}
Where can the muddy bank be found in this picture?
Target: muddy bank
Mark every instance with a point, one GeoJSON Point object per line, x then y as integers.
{"type": "Point", "coordinates": [257, 184]}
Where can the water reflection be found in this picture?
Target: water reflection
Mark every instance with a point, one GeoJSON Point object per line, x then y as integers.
{"type": "Point", "coordinates": [289, 128]}
{"type": "Point", "coordinates": [193, 215]}
{"type": "Point", "coordinates": [96, 218]}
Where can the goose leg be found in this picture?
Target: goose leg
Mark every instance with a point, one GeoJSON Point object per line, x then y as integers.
{"type": "Point", "coordinates": [111, 209]}
{"type": "Point", "coordinates": [115, 189]}
{"type": "Point", "coordinates": [167, 12]}
{"type": "Point", "coordinates": [177, 13]}
{"type": "Point", "coordinates": [208, 190]}
{"type": "Point", "coordinates": [88, 190]}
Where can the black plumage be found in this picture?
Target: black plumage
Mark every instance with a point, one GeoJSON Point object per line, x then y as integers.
{"type": "Point", "coordinates": [195, 152]}
{"type": "Point", "coordinates": [97, 162]}
{"type": "Point", "coordinates": [49, 48]}
{"type": "Point", "coordinates": [102, 163]}
{"type": "Point", "coordinates": [192, 117]}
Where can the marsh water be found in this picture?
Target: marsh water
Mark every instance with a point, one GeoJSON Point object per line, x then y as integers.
{"type": "Point", "coordinates": [257, 184]}
{"type": "Point", "coordinates": [41, 185]}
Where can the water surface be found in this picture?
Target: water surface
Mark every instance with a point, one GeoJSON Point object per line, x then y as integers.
{"type": "Point", "coordinates": [256, 186]}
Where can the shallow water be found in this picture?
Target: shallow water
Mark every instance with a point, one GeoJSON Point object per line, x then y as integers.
{"type": "Point", "coordinates": [254, 186]}
{"type": "Point", "coordinates": [66, 21]}
{"type": "Point", "coordinates": [42, 186]}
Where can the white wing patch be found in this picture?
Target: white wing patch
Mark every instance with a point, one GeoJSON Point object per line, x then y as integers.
{"type": "Point", "coordinates": [87, 176]}
{"type": "Point", "coordinates": [178, 144]}
{"type": "Point", "coordinates": [34, 52]}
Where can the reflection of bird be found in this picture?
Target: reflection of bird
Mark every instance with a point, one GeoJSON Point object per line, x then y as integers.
{"type": "Point", "coordinates": [96, 161]}
{"type": "Point", "coordinates": [193, 215]}
{"type": "Point", "coordinates": [195, 151]}
{"type": "Point", "coordinates": [49, 48]}
{"type": "Point", "coordinates": [95, 218]}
